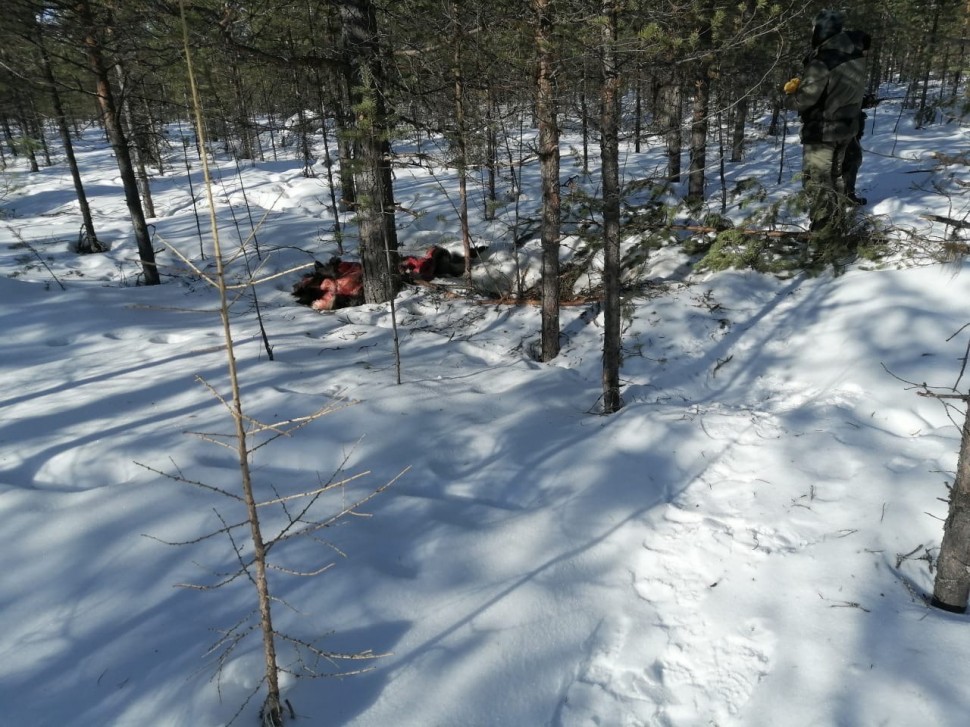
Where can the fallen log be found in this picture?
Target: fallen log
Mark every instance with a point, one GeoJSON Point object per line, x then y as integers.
{"type": "Point", "coordinates": [753, 231]}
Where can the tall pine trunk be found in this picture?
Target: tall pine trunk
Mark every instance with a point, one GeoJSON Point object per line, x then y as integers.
{"type": "Point", "coordinates": [109, 114]}
{"type": "Point", "coordinates": [925, 115]}
{"type": "Point", "coordinates": [344, 121]}
{"type": "Point", "coordinates": [461, 144]}
{"type": "Point", "coordinates": [26, 133]}
{"type": "Point", "coordinates": [698, 135]}
{"type": "Point", "coordinates": [672, 114]}
{"type": "Point", "coordinates": [700, 114]}
{"type": "Point", "coordinates": [491, 153]}
{"type": "Point", "coordinates": [610, 159]}
{"type": "Point", "coordinates": [372, 167]}
{"type": "Point", "coordinates": [137, 156]}
{"type": "Point", "coordinates": [88, 241]}
{"type": "Point", "coordinates": [546, 110]}
{"type": "Point", "coordinates": [341, 103]}
{"type": "Point", "coordinates": [737, 130]}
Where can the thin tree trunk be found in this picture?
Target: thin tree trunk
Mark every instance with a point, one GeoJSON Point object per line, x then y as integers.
{"type": "Point", "coordinates": [154, 124]}
{"type": "Point", "coordinates": [37, 124]}
{"type": "Point", "coordinates": [491, 153]}
{"type": "Point", "coordinates": [304, 131]}
{"type": "Point", "coordinates": [137, 158]}
{"type": "Point", "coordinates": [610, 159]}
{"type": "Point", "coordinates": [345, 144]}
{"type": "Point", "coordinates": [25, 133]}
{"type": "Point", "coordinates": [737, 132]}
{"type": "Point", "coordinates": [584, 119]}
{"type": "Point", "coordinates": [961, 57]}
{"type": "Point", "coordinates": [672, 126]}
{"type": "Point", "coordinates": [327, 156]}
{"type": "Point", "coordinates": [638, 107]}
{"type": "Point", "coordinates": [89, 238]}
{"type": "Point", "coordinates": [720, 162]}
{"type": "Point", "coordinates": [303, 126]}
{"type": "Point", "coordinates": [923, 114]}
{"type": "Point", "coordinates": [8, 135]}
{"type": "Point", "coordinates": [342, 104]}
{"type": "Point", "coordinates": [272, 712]}
{"type": "Point", "coordinates": [462, 146]}
{"type": "Point", "coordinates": [109, 114]}
{"type": "Point", "coordinates": [331, 184]}
{"type": "Point", "coordinates": [698, 136]}
{"type": "Point", "coordinates": [244, 148]}
{"type": "Point", "coordinates": [546, 111]}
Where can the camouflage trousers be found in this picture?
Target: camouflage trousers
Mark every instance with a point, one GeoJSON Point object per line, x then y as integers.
{"type": "Point", "coordinates": [822, 168]}
{"type": "Point", "coordinates": [851, 162]}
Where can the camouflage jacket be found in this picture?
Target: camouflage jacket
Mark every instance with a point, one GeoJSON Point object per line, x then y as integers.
{"type": "Point", "coordinates": [829, 98]}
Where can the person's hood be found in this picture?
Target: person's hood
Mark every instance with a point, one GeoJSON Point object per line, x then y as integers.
{"type": "Point", "coordinates": [841, 42]}
{"type": "Point", "coordinates": [828, 23]}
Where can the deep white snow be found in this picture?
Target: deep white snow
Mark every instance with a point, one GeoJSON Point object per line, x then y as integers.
{"type": "Point", "coordinates": [749, 541]}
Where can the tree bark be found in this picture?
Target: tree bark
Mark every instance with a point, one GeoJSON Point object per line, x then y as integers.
{"type": "Point", "coordinates": [951, 588]}
{"type": "Point", "coordinates": [491, 154]}
{"type": "Point", "coordinates": [344, 121]}
{"type": "Point", "coordinates": [700, 115]}
{"type": "Point", "coordinates": [610, 159]}
{"type": "Point", "coordinates": [698, 136]}
{"type": "Point", "coordinates": [89, 238]}
{"type": "Point", "coordinates": [109, 114]}
{"type": "Point", "coordinates": [673, 135]}
{"type": "Point", "coordinates": [546, 111]}
{"type": "Point", "coordinates": [127, 120]}
{"type": "Point", "coordinates": [737, 135]}
{"type": "Point", "coordinates": [923, 114]}
{"type": "Point", "coordinates": [372, 168]}
{"type": "Point", "coordinates": [461, 143]}
{"type": "Point", "coordinates": [29, 143]}
{"type": "Point", "coordinates": [637, 107]}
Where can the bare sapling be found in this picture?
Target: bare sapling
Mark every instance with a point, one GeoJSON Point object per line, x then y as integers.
{"type": "Point", "coordinates": [258, 525]}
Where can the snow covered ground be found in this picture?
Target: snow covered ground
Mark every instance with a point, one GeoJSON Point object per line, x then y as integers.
{"type": "Point", "coordinates": [749, 541]}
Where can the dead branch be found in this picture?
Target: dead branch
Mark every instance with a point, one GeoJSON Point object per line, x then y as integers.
{"type": "Point", "coordinates": [313, 493]}
{"type": "Point", "coordinates": [345, 512]}
{"type": "Point", "coordinates": [301, 574]}
{"type": "Point", "coordinates": [960, 224]}
{"type": "Point", "coordinates": [185, 480]}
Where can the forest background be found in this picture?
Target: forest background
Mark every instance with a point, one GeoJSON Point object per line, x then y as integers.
{"type": "Point", "coordinates": [366, 79]}
{"type": "Point", "coordinates": [467, 72]}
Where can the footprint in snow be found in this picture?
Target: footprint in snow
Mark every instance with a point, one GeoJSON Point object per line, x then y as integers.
{"type": "Point", "coordinates": [670, 659]}
{"type": "Point", "coordinates": [709, 680]}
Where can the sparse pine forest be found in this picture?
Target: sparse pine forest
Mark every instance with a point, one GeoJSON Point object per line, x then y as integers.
{"type": "Point", "coordinates": [450, 84]}
{"type": "Point", "coordinates": [522, 115]}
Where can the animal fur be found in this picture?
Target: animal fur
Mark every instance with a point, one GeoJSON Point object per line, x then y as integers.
{"type": "Point", "coordinates": [338, 284]}
{"type": "Point", "coordinates": [331, 285]}
{"type": "Point", "coordinates": [437, 262]}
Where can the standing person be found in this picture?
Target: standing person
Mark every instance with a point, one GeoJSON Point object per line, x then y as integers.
{"type": "Point", "coordinates": [828, 99]}
{"type": "Point", "coordinates": [853, 154]}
